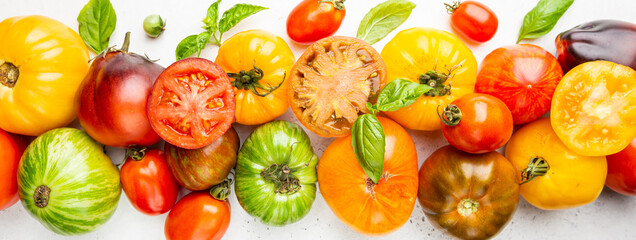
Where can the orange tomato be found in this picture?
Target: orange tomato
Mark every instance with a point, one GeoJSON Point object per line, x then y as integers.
{"type": "Point", "coordinates": [368, 208]}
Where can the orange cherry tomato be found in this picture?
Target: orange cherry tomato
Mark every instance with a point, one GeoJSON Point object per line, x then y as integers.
{"type": "Point", "coordinates": [473, 20]}
{"type": "Point", "coordinates": [312, 20]}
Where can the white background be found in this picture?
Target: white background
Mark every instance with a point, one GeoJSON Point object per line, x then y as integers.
{"type": "Point", "coordinates": [612, 216]}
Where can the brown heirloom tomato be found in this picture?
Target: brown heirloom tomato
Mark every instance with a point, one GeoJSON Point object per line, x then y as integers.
{"type": "Point", "coordinates": [470, 196]}
{"type": "Point", "coordinates": [200, 169]}
{"type": "Point", "coordinates": [332, 82]}
{"type": "Point", "coordinates": [369, 208]}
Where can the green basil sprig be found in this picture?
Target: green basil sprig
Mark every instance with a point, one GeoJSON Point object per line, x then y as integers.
{"type": "Point", "coordinates": [383, 19]}
{"type": "Point", "coordinates": [367, 135]}
{"type": "Point", "coordinates": [96, 23]}
{"type": "Point", "coordinates": [213, 27]}
{"type": "Point", "coordinates": [542, 18]}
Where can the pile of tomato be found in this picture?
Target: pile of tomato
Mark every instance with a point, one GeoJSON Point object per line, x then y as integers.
{"type": "Point", "coordinates": [423, 79]}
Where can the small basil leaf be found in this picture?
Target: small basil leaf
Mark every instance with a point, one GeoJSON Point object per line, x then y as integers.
{"type": "Point", "coordinates": [235, 14]}
{"type": "Point", "coordinates": [382, 19]}
{"type": "Point", "coordinates": [400, 93]}
{"type": "Point", "coordinates": [192, 44]}
{"type": "Point", "coordinates": [542, 18]}
{"type": "Point", "coordinates": [211, 21]}
{"type": "Point", "coordinates": [96, 23]}
{"type": "Point", "coordinates": [367, 140]}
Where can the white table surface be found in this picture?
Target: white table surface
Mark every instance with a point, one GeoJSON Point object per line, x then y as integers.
{"type": "Point", "coordinates": [611, 216]}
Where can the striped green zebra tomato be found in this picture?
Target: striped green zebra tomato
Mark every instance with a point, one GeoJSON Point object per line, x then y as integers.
{"type": "Point", "coordinates": [67, 182]}
{"type": "Point", "coordinates": [276, 173]}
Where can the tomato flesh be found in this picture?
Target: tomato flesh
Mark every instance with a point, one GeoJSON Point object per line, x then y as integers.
{"type": "Point", "coordinates": [192, 103]}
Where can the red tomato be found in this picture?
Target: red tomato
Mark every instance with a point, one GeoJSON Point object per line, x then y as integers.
{"type": "Point", "coordinates": [10, 152]}
{"type": "Point", "coordinates": [312, 20]}
{"type": "Point", "coordinates": [473, 20]}
{"type": "Point", "coordinates": [198, 216]}
{"type": "Point", "coordinates": [148, 183]}
{"type": "Point", "coordinates": [621, 170]}
{"type": "Point", "coordinates": [477, 123]}
{"type": "Point", "coordinates": [192, 103]}
{"type": "Point", "coordinates": [524, 76]}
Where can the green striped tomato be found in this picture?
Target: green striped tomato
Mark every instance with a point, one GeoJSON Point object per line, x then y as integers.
{"type": "Point", "coordinates": [67, 182]}
{"type": "Point", "coordinates": [276, 173]}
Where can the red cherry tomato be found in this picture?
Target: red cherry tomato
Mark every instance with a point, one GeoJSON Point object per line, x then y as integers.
{"type": "Point", "coordinates": [477, 123]}
{"type": "Point", "coordinates": [523, 76]}
{"type": "Point", "coordinates": [312, 20]}
{"type": "Point", "coordinates": [198, 216]}
{"type": "Point", "coordinates": [148, 183]}
{"type": "Point", "coordinates": [621, 171]}
{"type": "Point", "coordinates": [192, 103]}
{"type": "Point", "coordinates": [10, 152]}
{"type": "Point", "coordinates": [473, 20]}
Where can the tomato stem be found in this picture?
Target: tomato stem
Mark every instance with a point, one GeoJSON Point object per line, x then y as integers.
{"type": "Point", "coordinates": [436, 80]}
{"type": "Point", "coordinates": [9, 74]}
{"type": "Point", "coordinates": [222, 190]}
{"type": "Point", "coordinates": [536, 167]}
{"type": "Point", "coordinates": [249, 80]}
{"type": "Point", "coordinates": [41, 196]}
{"type": "Point", "coordinates": [126, 44]}
{"type": "Point", "coordinates": [337, 4]}
{"type": "Point", "coordinates": [450, 9]}
{"type": "Point", "coordinates": [136, 153]}
{"type": "Point", "coordinates": [467, 207]}
{"type": "Point", "coordinates": [451, 116]}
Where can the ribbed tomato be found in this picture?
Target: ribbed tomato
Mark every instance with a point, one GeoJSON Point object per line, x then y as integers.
{"type": "Point", "coordinates": [369, 208]}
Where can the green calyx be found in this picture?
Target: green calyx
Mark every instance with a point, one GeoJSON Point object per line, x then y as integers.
{"type": "Point", "coordinates": [437, 81]}
{"type": "Point", "coordinates": [136, 153]}
{"type": "Point", "coordinates": [281, 176]}
{"type": "Point", "coordinates": [450, 8]}
{"type": "Point", "coordinates": [337, 4]}
{"type": "Point", "coordinates": [451, 116]}
{"type": "Point", "coordinates": [249, 80]}
{"type": "Point", "coordinates": [467, 207]}
{"type": "Point", "coordinates": [222, 190]}
{"type": "Point", "coordinates": [536, 167]}
{"type": "Point", "coordinates": [9, 74]}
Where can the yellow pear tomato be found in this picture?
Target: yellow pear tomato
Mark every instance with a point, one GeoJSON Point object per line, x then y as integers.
{"type": "Point", "coordinates": [553, 176]}
{"type": "Point", "coordinates": [42, 64]}
{"type": "Point", "coordinates": [258, 63]}
{"type": "Point", "coordinates": [432, 57]}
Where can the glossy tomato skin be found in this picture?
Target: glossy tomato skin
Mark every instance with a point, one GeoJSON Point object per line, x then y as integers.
{"type": "Point", "coordinates": [485, 124]}
{"type": "Point", "coordinates": [368, 208]}
{"type": "Point", "coordinates": [191, 103]}
{"type": "Point", "coordinates": [113, 99]}
{"type": "Point", "coordinates": [621, 170]}
{"type": "Point", "coordinates": [413, 52]}
{"type": "Point", "coordinates": [48, 75]}
{"type": "Point", "coordinates": [524, 76]}
{"type": "Point", "coordinates": [593, 110]}
{"type": "Point", "coordinates": [272, 55]}
{"type": "Point", "coordinates": [469, 196]}
{"type": "Point", "coordinates": [474, 20]}
{"type": "Point", "coordinates": [312, 20]}
{"type": "Point", "coordinates": [198, 216]}
{"type": "Point", "coordinates": [200, 169]}
{"type": "Point", "coordinates": [563, 186]}
{"type": "Point", "coordinates": [148, 183]}
{"type": "Point", "coordinates": [11, 149]}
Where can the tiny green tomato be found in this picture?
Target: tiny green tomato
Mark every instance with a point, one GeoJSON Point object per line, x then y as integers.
{"type": "Point", "coordinates": [154, 25]}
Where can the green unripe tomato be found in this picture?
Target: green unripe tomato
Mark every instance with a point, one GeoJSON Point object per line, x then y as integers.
{"type": "Point", "coordinates": [154, 25]}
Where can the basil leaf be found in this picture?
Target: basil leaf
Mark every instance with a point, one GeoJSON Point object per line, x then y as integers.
{"type": "Point", "coordinates": [382, 19]}
{"type": "Point", "coordinates": [192, 44]}
{"type": "Point", "coordinates": [400, 93]}
{"type": "Point", "coordinates": [211, 21]}
{"type": "Point", "coordinates": [367, 140]}
{"type": "Point", "coordinates": [542, 18]}
{"type": "Point", "coordinates": [96, 23]}
{"type": "Point", "coordinates": [235, 14]}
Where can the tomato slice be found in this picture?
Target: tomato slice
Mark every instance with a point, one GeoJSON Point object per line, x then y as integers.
{"type": "Point", "coordinates": [192, 103]}
{"type": "Point", "coordinates": [594, 108]}
{"type": "Point", "coordinates": [331, 83]}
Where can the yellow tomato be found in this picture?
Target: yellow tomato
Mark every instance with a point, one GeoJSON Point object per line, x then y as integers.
{"type": "Point", "coordinates": [414, 52]}
{"type": "Point", "coordinates": [42, 63]}
{"type": "Point", "coordinates": [258, 62]}
{"type": "Point", "coordinates": [562, 178]}
{"type": "Point", "coordinates": [594, 108]}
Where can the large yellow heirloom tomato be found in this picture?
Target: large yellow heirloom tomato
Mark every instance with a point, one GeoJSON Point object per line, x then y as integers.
{"type": "Point", "coordinates": [258, 63]}
{"type": "Point", "coordinates": [555, 177]}
{"type": "Point", "coordinates": [414, 52]}
{"type": "Point", "coordinates": [42, 63]}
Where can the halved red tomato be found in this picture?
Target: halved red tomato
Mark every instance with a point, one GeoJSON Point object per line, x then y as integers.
{"type": "Point", "coordinates": [192, 103]}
